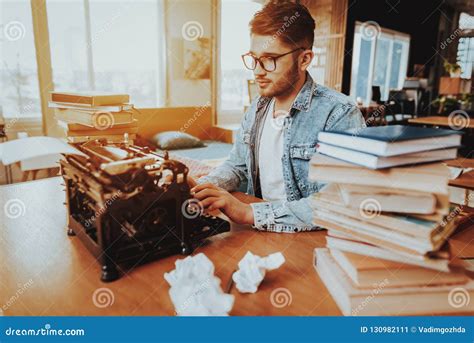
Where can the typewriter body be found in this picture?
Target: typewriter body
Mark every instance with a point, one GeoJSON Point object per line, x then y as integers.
{"type": "Point", "coordinates": [129, 205]}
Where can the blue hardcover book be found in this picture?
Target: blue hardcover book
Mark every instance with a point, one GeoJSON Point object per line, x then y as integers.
{"type": "Point", "coordinates": [392, 140]}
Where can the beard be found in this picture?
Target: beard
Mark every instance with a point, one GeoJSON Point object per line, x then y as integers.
{"type": "Point", "coordinates": [283, 85]}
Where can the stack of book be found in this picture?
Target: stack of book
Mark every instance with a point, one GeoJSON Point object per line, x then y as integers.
{"type": "Point", "coordinates": [386, 248]}
{"type": "Point", "coordinates": [92, 115]}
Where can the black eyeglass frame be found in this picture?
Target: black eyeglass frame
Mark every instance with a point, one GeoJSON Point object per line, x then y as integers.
{"type": "Point", "coordinates": [272, 58]}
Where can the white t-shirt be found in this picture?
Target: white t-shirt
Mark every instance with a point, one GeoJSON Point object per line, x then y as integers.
{"type": "Point", "coordinates": [269, 157]}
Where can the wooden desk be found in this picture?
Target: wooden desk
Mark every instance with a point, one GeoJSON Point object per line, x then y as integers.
{"type": "Point", "coordinates": [437, 121]}
{"type": "Point", "coordinates": [61, 275]}
{"type": "Point", "coordinates": [64, 274]}
{"type": "Point", "coordinates": [466, 180]}
{"type": "Point", "coordinates": [467, 140]}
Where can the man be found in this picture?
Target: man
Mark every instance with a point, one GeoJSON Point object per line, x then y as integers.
{"type": "Point", "coordinates": [278, 134]}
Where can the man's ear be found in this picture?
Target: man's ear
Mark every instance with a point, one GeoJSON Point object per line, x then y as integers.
{"type": "Point", "coordinates": [305, 59]}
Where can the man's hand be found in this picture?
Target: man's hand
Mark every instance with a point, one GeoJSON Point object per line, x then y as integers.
{"type": "Point", "coordinates": [212, 197]}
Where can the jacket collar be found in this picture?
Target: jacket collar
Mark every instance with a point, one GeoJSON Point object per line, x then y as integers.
{"type": "Point", "coordinates": [302, 100]}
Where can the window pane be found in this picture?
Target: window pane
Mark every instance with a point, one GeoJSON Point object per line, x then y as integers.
{"type": "Point", "coordinates": [68, 45]}
{"type": "Point", "coordinates": [363, 68]}
{"type": "Point", "coordinates": [19, 94]}
{"type": "Point", "coordinates": [125, 37]}
{"type": "Point", "coordinates": [234, 41]}
{"type": "Point", "coordinates": [396, 64]}
{"type": "Point", "coordinates": [121, 53]}
{"type": "Point", "coordinates": [465, 56]}
{"type": "Point", "coordinates": [388, 65]}
{"type": "Point", "coordinates": [381, 62]}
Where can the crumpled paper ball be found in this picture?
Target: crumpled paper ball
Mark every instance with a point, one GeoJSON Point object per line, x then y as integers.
{"type": "Point", "coordinates": [195, 291]}
{"type": "Point", "coordinates": [252, 270]}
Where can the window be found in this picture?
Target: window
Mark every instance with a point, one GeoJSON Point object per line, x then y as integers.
{"type": "Point", "coordinates": [380, 58]}
{"type": "Point", "coordinates": [19, 95]}
{"type": "Point", "coordinates": [465, 56]}
{"type": "Point", "coordinates": [234, 41]}
{"type": "Point", "coordinates": [109, 46]}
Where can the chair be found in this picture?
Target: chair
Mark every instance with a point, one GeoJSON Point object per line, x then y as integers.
{"type": "Point", "coordinates": [376, 94]}
{"type": "Point", "coordinates": [399, 107]}
{"type": "Point", "coordinates": [32, 165]}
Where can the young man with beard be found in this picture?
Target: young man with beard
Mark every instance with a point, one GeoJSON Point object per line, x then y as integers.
{"type": "Point", "coordinates": [278, 134]}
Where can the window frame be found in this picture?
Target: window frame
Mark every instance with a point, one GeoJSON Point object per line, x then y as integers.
{"type": "Point", "coordinates": [222, 117]}
{"type": "Point", "coordinates": [468, 34]}
{"type": "Point", "coordinates": [385, 33]}
{"type": "Point", "coordinates": [46, 122]}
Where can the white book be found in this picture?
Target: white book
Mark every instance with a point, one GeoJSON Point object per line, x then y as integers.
{"type": "Point", "coordinates": [330, 199]}
{"type": "Point", "coordinates": [377, 162]}
{"type": "Point", "coordinates": [392, 140]}
{"type": "Point", "coordinates": [377, 235]}
{"type": "Point", "coordinates": [76, 106]}
{"type": "Point", "coordinates": [344, 242]}
{"type": "Point", "coordinates": [386, 301]}
{"type": "Point", "coordinates": [417, 244]}
{"type": "Point", "coordinates": [388, 199]}
{"type": "Point", "coordinates": [365, 270]}
{"type": "Point", "coordinates": [430, 178]}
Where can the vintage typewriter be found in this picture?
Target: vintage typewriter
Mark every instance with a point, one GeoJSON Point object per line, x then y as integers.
{"type": "Point", "coordinates": [130, 205]}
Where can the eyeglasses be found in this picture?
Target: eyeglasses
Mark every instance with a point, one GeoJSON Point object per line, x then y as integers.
{"type": "Point", "coordinates": [268, 63]}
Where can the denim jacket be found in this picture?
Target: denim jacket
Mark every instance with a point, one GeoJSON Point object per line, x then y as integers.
{"type": "Point", "coordinates": [316, 108]}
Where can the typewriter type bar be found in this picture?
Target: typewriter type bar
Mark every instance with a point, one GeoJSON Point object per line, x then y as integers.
{"type": "Point", "coordinates": [129, 205]}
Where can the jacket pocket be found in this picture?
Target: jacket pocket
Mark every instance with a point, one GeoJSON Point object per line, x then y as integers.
{"type": "Point", "coordinates": [300, 156]}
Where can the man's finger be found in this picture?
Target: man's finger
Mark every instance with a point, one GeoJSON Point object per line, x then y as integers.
{"type": "Point", "coordinates": [205, 193]}
{"type": "Point", "coordinates": [217, 205]}
{"type": "Point", "coordinates": [209, 201]}
{"type": "Point", "coordinates": [203, 186]}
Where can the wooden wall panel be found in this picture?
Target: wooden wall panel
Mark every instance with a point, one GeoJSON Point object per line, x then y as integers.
{"type": "Point", "coordinates": [196, 121]}
{"type": "Point", "coordinates": [330, 17]}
